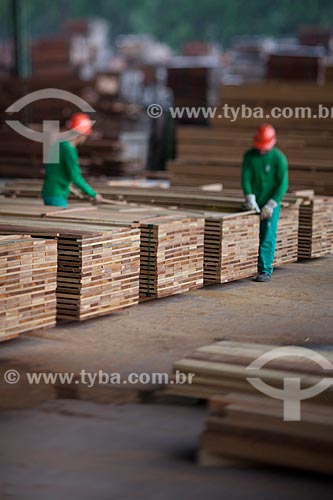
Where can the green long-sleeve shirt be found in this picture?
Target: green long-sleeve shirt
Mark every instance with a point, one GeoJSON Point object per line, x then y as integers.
{"type": "Point", "coordinates": [59, 176]}
{"type": "Point", "coordinates": [265, 175]}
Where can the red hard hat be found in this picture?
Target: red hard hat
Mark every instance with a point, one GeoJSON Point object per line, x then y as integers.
{"type": "Point", "coordinates": [81, 123]}
{"type": "Point", "coordinates": [265, 138]}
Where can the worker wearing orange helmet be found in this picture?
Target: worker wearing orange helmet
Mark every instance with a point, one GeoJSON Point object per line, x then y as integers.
{"type": "Point", "coordinates": [264, 183]}
{"type": "Point", "coordinates": [59, 176]}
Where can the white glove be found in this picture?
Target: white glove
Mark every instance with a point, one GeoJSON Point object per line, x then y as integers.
{"type": "Point", "coordinates": [251, 203]}
{"type": "Point", "coordinates": [267, 210]}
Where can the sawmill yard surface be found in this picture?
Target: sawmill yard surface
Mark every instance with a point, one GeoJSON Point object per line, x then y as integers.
{"type": "Point", "coordinates": [61, 442]}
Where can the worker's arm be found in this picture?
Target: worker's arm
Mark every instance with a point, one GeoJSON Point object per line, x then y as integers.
{"type": "Point", "coordinates": [71, 161]}
{"type": "Point", "coordinates": [282, 178]}
{"type": "Point", "coordinates": [250, 197]}
{"type": "Point", "coordinates": [247, 176]}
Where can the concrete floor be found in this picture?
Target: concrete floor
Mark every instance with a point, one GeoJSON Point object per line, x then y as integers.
{"type": "Point", "coordinates": [82, 450]}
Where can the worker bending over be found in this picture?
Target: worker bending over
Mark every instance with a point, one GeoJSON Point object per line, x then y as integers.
{"type": "Point", "coordinates": [265, 182]}
{"type": "Point", "coordinates": [59, 176]}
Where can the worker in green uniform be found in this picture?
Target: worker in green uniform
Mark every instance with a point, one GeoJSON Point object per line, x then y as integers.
{"type": "Point", "coordinates": [59, 176]}
{"type": "Point", "coordinates": [264, 183]}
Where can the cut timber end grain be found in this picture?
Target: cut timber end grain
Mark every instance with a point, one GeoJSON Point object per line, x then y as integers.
{"type": "Point", "coordinates": [172, 245]}
{"type": "Point", "coordinates": [97, 275]}
{"type": "Point", "coordinates": [98, 266]}
{"type": "Point", "coordinates": [287, 236]}
{"type": "Point", "coordinates": [315, 227]}
{"type": "Point", "coordinates": [171, 257]}
{"type": "Point", "coordinates": [231, 248]}
{"type": "Point", "coordinates": [28, 272]}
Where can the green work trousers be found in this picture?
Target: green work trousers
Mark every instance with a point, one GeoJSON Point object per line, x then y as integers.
{"type": "Point", "coordinates": [268, 230]}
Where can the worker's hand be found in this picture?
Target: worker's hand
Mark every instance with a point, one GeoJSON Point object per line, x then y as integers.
{"type": "Point", "coordinates": [98, 198]}
{"type": "Point", "coordinates": [267, 210]}
{"type": "Point", "coordinates": [251, 203]}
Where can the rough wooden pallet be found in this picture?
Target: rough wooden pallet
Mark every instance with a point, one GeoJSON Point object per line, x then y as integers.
{"type": "Point", "coordinates": [222, 368]}
{"type": "Point", "coordinates": [28, 276]}
{"type": "Point", "coordinates": [252, 428]}
{"type": "Point", "coordinates": [98, 266]}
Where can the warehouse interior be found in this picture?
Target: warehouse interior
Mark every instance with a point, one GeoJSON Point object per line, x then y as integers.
{"type": "Point", "coordinates": [166, 241]}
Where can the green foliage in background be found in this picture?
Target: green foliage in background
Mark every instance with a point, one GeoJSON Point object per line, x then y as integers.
{"type": "Point", "coordinates": [175, 21]}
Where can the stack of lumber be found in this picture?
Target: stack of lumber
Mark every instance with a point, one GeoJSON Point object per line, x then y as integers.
{"type": "Point", "coordinates": [276, 94]}
{"type": "Point", "coordinates": [296, 67]}
{"type": "Point", "coordinates": [231, 234]}
{"type": "Point", "coordinates": [316, 36]}
{"type": "Point", "coordinates": [51, 56]}
{"type": "Point", "coordinates": [98, 266]}
{"type": "Point", "coordinates": [251, 428]}
{"type": "Point", "coordinates": [172, 245]}
{"type": "Point", "coordinates": [287, 236]}
{"type": "Point", "coordinates": [21, 156]}
{"type": "Point", "coordinates": [231, 247]}
{"type": "Point", "coordinates": [192, 87]}
{"type": "Point", "coordinates": [28, 275]}
{"type": "Point", "coordinates": [231, 237]}
{"type": "Point", "coordinates": [315, 227]}
{"type": "Point", "coordinates": [214, 155]}
{"type": "Point", "coordinates": [103, 154]}
{"type": "Point", "coordinates": [329, 72]}
{"type": "Point", "coordinates": [79, 48]}
{"type": "Point", "coordinates": [171, 257]}
{"type": "Point", "coordinates": [199, 171]}
{"type": "Point", "coordinates": [222, 368]}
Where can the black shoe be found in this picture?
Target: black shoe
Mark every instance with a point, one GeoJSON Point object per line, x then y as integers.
{"type": "Point", "coordinates": [263, 278]}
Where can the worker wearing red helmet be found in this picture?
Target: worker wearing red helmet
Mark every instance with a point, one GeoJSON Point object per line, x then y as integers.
{"type": "Point", "coordinates": [265, 182]}
{"type": "Point", "coordinates": [59, 176]}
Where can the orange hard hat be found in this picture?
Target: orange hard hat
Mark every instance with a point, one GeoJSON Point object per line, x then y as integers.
{"type": "Point", "coordinates": [265, 138]}
{"type": "Point", "coordinates": [81, 123]}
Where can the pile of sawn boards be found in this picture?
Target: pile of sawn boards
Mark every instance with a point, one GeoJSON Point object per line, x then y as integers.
{"type": "Point", "coordinates": [315, 226]}
{"type": "Point", "coordinates": [162, 250]}
{"type": "Point", "coordinates": [249, 428]}
{"type": "Point", "coordinates": [287, 236]}
{"type": "Point", "coordinates": [207, 155]}
{"type": "Point", "coordinates": [231, 247]}
{"type": "Point", "coordinates": [230, 241]}
{"type": "Point", "coordinates": [172, 243]}
{"type": "Point", "coordinates": [28, 276]}
{"type": "Point", "coordinates": [98, 266]}
{"type": "Point", "coordinates": [315, 237]}
{"type": "Point", "coordinates": [243, 424]}
{"type": "Point", "coordinates": [236, 247]}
